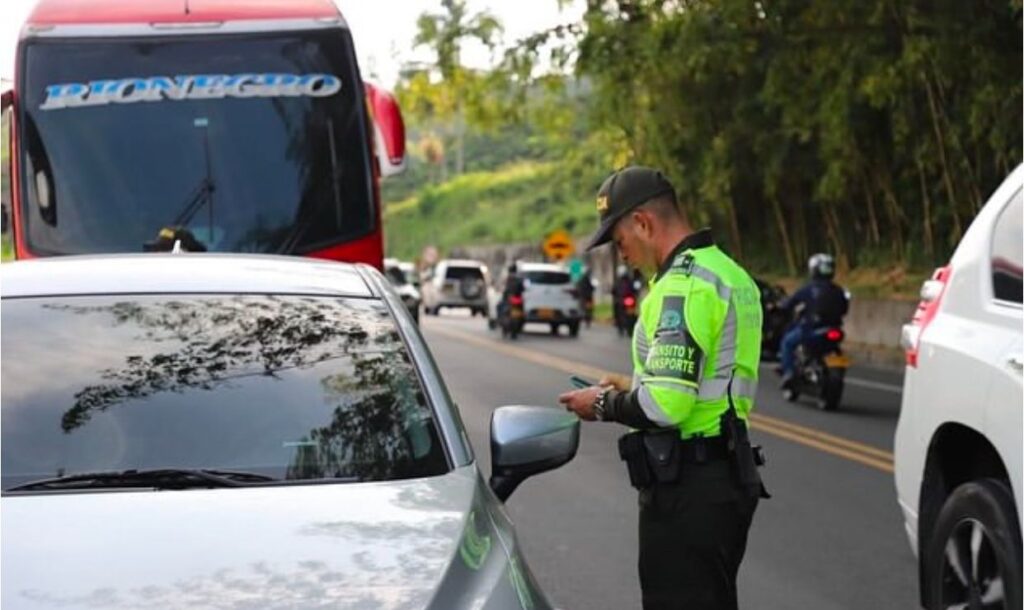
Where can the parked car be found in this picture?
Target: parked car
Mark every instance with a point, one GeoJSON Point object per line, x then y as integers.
{"type": "Point", "coordinates": [549, 297]}
{"type": "Point", "coordinates": [411, 274]}
{"type": "Point", "coordinates": [253, 431]}
{"type": "Point", "coordinates": [401, 281]}
{"type": "Point", "coordinates": [958, 454]}
{"type": "Point", "coordinates": [454, 283]}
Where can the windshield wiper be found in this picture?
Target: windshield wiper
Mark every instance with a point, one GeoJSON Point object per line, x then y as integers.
{"type": "Point", "coordinates": [163, 478]}
{"type": "Point", "coordinates": [200, 196]}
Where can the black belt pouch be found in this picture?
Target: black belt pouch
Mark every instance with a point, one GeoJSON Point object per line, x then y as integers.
{"type": "Point", "coordinates": [633, 452]}
{"type": "Point", "coordinates": [664, 454]}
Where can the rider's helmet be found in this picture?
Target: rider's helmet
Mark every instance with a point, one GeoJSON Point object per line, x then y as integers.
{"type": "Point", "coordinates": [622, 270]}
{"type": "Point", "coordinates": [512, 269]}
{"type": "Point", "coordinates": [822, 266]}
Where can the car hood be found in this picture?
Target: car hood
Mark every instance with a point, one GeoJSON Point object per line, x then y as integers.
{"type": "Point", "coordinates": [371, 545]}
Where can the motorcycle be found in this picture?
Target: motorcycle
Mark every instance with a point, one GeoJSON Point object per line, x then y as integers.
{"type": "Point", "coordinates": [820, 368]}
{"type": "Point", "coordinates": [626, 315]}
{"type": "Point", "coordinates": [512, 317]}
{"type": "Point", "coordinates": [588, 311]}
{"type": "Point", "coordinates": [774, 319]}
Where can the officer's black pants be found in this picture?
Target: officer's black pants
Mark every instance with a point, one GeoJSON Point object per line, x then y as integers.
{"type": "Point", "coordinates": [692, 538]}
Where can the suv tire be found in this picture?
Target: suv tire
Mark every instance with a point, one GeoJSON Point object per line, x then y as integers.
{"type": "Point", "coordinates": [975, 546]}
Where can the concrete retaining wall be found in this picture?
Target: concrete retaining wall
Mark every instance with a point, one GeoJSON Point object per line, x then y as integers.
{"type": "Point", "coordinates": [872, 326]}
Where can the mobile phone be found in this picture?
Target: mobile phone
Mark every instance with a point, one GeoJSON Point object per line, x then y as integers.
{"type": "Point", "coordinates": [581, 382]}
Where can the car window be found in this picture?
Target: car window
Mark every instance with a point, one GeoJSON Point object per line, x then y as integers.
{"type": "Point", "coordinates": [461, 273]}
{"type": "Point", "coordinates": [1007, 263]}
{"type": "Point", "coordinates": [396, 275]}
{"type": "Point", "coordinates": [297, 388]}
{"type": "Point", "coordinates": [547, 277]}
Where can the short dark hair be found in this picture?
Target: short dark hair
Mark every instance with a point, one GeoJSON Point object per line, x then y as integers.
{"type": "Point", "coordinates": [665, 207]}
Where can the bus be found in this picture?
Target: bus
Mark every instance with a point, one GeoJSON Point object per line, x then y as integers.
{"type": "Point", "coordinates": [207, 125]}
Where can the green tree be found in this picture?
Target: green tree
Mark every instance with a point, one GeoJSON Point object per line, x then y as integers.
{"type": "Point", "coordinates": [445, 33]}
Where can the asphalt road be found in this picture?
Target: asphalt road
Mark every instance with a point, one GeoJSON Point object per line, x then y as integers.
{"type": "Point", "coordinates": [830, 538]}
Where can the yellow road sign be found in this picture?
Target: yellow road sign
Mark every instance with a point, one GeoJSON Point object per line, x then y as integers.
{"type": "Point", "coordinates": [559, 245]}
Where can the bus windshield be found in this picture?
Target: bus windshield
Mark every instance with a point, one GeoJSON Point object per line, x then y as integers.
{"type": "Point", "coordinates": [248, 142]}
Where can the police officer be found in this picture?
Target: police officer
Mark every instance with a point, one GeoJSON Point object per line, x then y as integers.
{"type": "Point", "coordinates": [696, 349]}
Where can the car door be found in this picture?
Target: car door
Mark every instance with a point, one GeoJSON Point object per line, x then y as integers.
{"type": "Point", "coordinates": [1005, 396]}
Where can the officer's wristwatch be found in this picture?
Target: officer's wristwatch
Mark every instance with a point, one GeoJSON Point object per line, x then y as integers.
{"type": "Point", "coordinates": [599, 403]}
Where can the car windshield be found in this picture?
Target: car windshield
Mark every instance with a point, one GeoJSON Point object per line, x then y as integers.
{"type": "Point", "coordinates": [290, 387]}
{"type": "Point", "coordinates": [396, 275]}
{"type": "Point", "coordinates": [253, 143]}
{"type": "Point", "coordinates": [547, 277]}
{"type": "Point", "coordinates": [462, 273]}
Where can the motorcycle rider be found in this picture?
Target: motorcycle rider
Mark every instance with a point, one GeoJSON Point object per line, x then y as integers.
{"type": "Point", "coordinates": [623, 287]}
{"type": "Point", "coordinates": [514, 286]}
{"type": "Point", "coordinates": [824, 304]}
{"type": "Point", "coordinates": [585, 293]}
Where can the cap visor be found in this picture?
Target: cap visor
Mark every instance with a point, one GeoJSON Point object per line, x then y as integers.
{"type": "Point", "coordinates": [603, 234]}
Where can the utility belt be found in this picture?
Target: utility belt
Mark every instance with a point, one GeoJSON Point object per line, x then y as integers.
{"type": "Point", "coordinates": [657, 456]}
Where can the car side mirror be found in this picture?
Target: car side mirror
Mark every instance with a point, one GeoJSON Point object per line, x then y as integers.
{"type": "Point", "coordinates": [526, 441]}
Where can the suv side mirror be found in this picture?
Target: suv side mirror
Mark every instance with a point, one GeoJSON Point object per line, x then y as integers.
{"type": "Point", "coordinates": [526, 441]}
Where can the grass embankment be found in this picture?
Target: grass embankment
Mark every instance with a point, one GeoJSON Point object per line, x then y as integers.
{"type": "Point", "coordinates": [520, 202]}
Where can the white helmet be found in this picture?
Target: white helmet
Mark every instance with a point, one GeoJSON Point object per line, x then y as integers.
{"type": "Point", "coordinates": [821, 265]}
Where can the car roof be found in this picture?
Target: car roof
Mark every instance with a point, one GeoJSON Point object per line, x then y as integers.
{"type": "Point", "coordinates": [461, 262]}
{"type": "Point", "coordinates": [181, 273]}
{"type": "Point", "coordinates": [527, 266]}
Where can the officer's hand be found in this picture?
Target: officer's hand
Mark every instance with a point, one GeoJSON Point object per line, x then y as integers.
{"type": "Point", "coordinates": [619, 382]}
{"type": "Point", "coordinates": [581, 402]}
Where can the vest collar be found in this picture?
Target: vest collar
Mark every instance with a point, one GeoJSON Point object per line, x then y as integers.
{"type": "Point", "coordinates": [693, 241]}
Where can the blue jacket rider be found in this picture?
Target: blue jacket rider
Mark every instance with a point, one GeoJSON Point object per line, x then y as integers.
{"type": "Point", "coordinates": [824, 304]}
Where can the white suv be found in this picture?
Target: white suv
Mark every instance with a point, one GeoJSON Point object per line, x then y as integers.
{"type": "Point", "coordinates": [455, 283]}
{"type": "Point", "coordinates": [958, 441]}
{"type": "Point", "coordinates": [549, 297]}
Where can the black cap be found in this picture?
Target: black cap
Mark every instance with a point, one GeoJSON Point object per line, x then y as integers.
{"type": "Point", "coordinates": [621, 192]}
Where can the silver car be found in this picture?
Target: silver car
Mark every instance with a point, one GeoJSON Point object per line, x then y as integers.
{"type": "Point", "coordinates": [215, 431]}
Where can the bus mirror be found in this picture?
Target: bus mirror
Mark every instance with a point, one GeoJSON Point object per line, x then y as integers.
{"type": "Point", "coordinates": [389, 130]}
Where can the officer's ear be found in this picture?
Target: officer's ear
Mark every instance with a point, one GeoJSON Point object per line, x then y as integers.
{"type": "Point", "coordinates": [642, 223]}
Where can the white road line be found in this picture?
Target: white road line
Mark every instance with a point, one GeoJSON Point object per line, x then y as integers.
{"type": "Point", "coordinates": [864, 383]}
{"type": "Point", "coordinates": [875, 385]}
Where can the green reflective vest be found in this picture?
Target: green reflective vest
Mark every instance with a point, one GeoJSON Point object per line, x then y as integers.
{"type": "Point", "coordinates": [699, 329]}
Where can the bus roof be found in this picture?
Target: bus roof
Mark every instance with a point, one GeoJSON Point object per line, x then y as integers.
{"type": "Point", "coordinates": [73, 12]}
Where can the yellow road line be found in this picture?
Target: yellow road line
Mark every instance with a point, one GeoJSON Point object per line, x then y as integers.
{"type": "Point", "coordinates": [808, 437]}
{"type": "Point", "coordinates": [821, 436]}
{"type": "Point", "coordinates": [877, 464]}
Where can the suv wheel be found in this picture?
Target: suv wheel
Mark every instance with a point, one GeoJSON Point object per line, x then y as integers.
{"type": "Point", "coordinates": [973, 558]}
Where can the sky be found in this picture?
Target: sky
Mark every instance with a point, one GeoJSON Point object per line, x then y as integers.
{"type": "Point", "coordinates": [382, 30]}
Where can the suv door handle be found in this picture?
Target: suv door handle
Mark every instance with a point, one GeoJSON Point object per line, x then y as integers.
{"type": "Point", "coordinates": [1016, 362]}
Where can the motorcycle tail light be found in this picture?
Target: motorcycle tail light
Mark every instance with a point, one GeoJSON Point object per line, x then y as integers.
{"type": "Point", "coordinates": [629, 301]}
{"type": "Point", "coordinates": [515, 300]}
{"type": "Point", "coordinates": [834, 334]}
